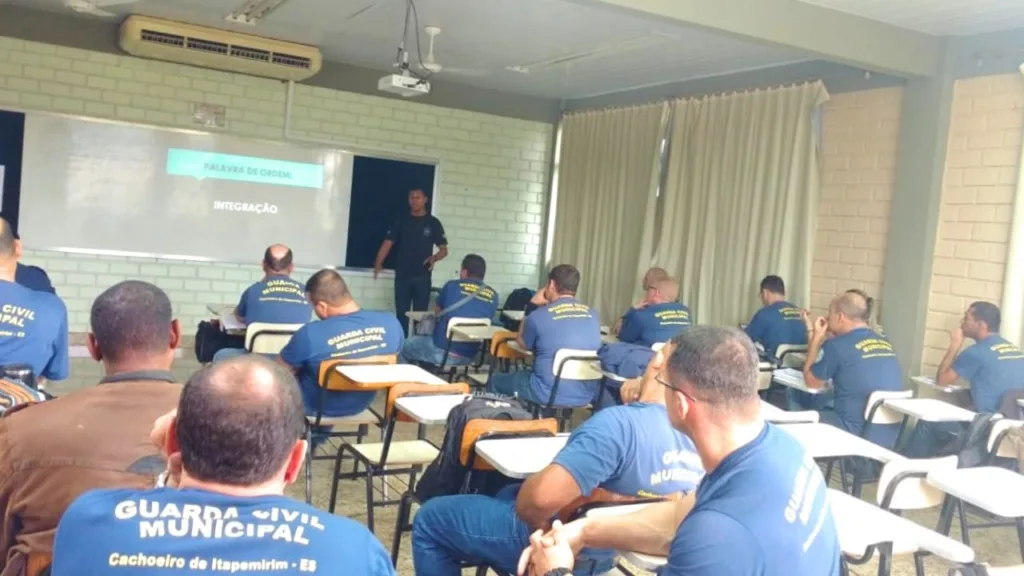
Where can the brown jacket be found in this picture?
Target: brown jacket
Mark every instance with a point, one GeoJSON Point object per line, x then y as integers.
{"type": "Point", "coordinates": [52, 452]}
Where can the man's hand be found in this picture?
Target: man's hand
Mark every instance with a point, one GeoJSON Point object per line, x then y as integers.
{"type": "Point", "coordinates": [538, 298]}
{"type": "Point", "coordinates": [158, 436]}
{"type": "Point", "coordinates": [641, 303]}
{"type": "Point", "coordinates": [429, 263]}
{"type": "Point", "coordinates": [805, 315]}
{"type": "Point", "coordinates": [956, 338]}
{"type": "Point", "coordinates": [376, 272]}
{"type": "Point", "coordinates": [820, 329]}
{"type": "Point", "coordinates": [631, 389]}
{"type": "Point", "coordinates": [549, 551]}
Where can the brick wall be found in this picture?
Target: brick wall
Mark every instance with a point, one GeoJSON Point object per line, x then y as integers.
{"type": "Point", "coordinates": [977, 203]}
{"type": "Point", "coordinates": [861, 132]}
{"type": "Point", "coordinates": [493, 170]}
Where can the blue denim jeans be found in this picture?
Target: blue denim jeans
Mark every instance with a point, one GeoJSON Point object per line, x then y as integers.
{"type": "Point", "coordinates": [516, 384]}
{"type": "Point", "coordinates": [797, 400]}
{"type": "Point", "coordinates": [929, 437]}
{"type": "Point", "coordinates": [423, 349]}
{"type": "Point", "coordinates": [450, 530]}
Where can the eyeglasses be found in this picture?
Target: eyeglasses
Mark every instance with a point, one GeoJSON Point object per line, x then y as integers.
{"type": "Point", "coordinates": [660, 380]}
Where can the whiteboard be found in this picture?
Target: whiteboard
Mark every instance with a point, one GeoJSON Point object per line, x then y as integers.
{"type": "Point", "coordinates": [100, 186]}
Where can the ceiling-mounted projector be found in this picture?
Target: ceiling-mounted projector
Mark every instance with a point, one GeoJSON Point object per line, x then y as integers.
{"type": "Point", "coordinates": [403, 85]}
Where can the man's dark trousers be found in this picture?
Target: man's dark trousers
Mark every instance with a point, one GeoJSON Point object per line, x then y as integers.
{"type": "Point", "coordinates": [414, 290]}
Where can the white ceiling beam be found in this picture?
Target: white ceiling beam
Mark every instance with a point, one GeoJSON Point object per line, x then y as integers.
{"type": "Point", "coordinates": [829, 34]}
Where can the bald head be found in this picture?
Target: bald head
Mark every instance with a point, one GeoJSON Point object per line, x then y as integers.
{"type": "Point", "coordinates": [854, 304]}
{"type": "Point", "coordinates": [668, 288]}
{"type": "Point", "coordinates": [278, 259]}
{"type": "Point", "coordinates": [8, 243]}
{"type": "Point", "coordinates": [238, 421]}
{"type": "Point", "coordinates": [652, 276]}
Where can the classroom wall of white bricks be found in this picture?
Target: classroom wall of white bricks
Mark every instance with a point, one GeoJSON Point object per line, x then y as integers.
{"type": "Point", "coordinates": [493, 170]}
{"type": "Point", "coordinates": [982, 166]}
{"type": "Point", "coordinates": [860, 139]}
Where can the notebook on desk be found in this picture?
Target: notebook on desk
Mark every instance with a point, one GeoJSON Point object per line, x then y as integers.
{"type": "Point", "coordinates": [229, 323]}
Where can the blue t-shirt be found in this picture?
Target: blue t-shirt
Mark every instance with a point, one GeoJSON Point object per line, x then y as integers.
{"type": "Point", "coordinates": [564, 323]}
{"type": "Point", "coordinates": [858, 363]}
{"type": "Point", "coordinates": [631, 450]}
{"type": "Point", "coordinates": [993, 366]}
{"type": "Point", "coordinates": [173, 532]}
{"type": "Point", "coordinates": [762, 512]}
{"type": "Point", "coordinates": [483, 305]}
{"type": "Point", "coordinates": [33, 277]}
{"type": "Point", "coordinates": [33, 330]}
{"type": "Point", "coordinates": [351, 336]}
{"type": "Point", "coordinates": [655, 323]}
{"type": "Point", "coordinates": [277, 300]}
{"type": "Point", "coordinates": [775, 325]}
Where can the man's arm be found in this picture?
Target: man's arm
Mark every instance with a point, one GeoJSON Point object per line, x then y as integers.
{"type": "Point", "coordinates": [649, 530]}
{"type": "Point", "coordinates": [57, 367]}
{"type": "Point", "coordinates": [816, 338]}
{"type": "Point", "coordinates": [544, 494]}
{"type": "Point", "coordinates": [946, 375]}
{"type": "Point", "coordinates": [382, 253]}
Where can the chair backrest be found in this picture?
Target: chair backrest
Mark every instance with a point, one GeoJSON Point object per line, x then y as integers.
{"type": "Point", "coordinates": [479, 427]}
{"type": "Point", "coordinates": [458, 321]}
{"type": "Point", "coordinates": [415, 389]}
{"type": "Point", "coordinates": [1005, 570]}
{"type": "Point", "coordinates": [500, 348]}
{"type": "Point", "coordinates": [875, 410]}
{"type": "Point", "coordinates": [764, 380]}
{"type": "Point", "coordinates": [902, 485]}
{"type": "Point", "coordinates": [330, 379]}
{"type": "Point", "coordinates": [796, 417]}
{"type": "Point", "coordinates": [785, 350]}
{"type": "Point", "coordinates": [996, 445]}
{"type": "Point", "coordinates": [577, 364]}
{"type": "Point", "coordinates": [657, 346]}
{"type": "Point", "coordinates": [267, 338]}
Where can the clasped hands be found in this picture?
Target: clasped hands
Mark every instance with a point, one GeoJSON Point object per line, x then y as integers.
{"type": "Point", "coordinates": [552, 550]}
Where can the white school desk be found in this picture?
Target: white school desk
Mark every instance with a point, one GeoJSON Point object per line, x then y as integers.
{"type": "Point", "coordinates": [514, 315]}
{"type": "Point", "coordinates": [826, 441]}
{"type": "Point", "coordinates": [860, 524]}
{"type": "Point", "coordinates": [414, 317]}
{"type": "Point", "coordinates": [930, 382]}
{"type": "Point", "coordinates": [646, 562]}
{"type": "Point", "coordinates": [385, 374]}
{"type": "Point", "coordinates": [521, 457]}
{"type": "Point", "coordinates": [995, 490]}
{"type": "Point", "coordinates": [429, 410]}
{"type": "Point", "coordinates": [930, 410]}
{"type": "Point", "coordinates": [776, 415]}
{"type": "Point", "coordinates": [230, 324]}
{"type": "Point", "coordinates": [609, 339]}
{"type": "Point", "coordinates": [792, 378]}
{"type": "Point", "coordinates": [477, 333]}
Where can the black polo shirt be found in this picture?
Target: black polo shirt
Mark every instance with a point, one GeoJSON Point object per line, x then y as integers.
{"type": "Point", "coordinates": [415, 238]}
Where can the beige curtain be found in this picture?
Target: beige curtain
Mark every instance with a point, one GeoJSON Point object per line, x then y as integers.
{"type": "Point", "coordinates": [740, 198]}
{"type": "Point", "coordinates": [1013, 281]}
{"type": "Point", "coordinates": [607, 176]}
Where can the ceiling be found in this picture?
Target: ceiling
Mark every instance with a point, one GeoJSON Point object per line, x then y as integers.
{"type": "Point", "coordinates": [484, 37]}
{"type": "Point", "coordinates": [936, 17]}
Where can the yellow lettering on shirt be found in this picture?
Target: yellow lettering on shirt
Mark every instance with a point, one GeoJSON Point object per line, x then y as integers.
{"type": "Point", "coordinates": [357, 341]}
{"type": "Point", "coordinates": [673, 317]}
{"type": "Point", "coordinates": [12, 315]}
{"type": "Point", "coordinates": [570, 310]}
{"type": "Point", "coordinates": [790, 313]}
{"type": "Point", "coordinates": [482, 292]}
{"type": "Point", "coordinates": [1007, 351]}
{"type": "Point", "coordinates": [874, 348]}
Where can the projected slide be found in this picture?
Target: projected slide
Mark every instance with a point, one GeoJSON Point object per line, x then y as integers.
{"type": "Point", "coordinates": [115, 187]}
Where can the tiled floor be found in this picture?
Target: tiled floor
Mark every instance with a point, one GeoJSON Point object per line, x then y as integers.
{"type": "Point", "coordinates": [997, 546]}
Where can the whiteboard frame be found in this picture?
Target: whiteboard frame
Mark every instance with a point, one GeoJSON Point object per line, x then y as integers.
{"type": "Point", "coordinates": [312, 144]}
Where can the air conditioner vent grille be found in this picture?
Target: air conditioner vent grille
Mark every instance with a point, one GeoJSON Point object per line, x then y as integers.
{"type": "Point", "coordinates": [231, 50]}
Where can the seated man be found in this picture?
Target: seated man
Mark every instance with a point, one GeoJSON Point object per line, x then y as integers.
{"type": "Point", "coordinates": [622, 453]}
{"type": "Point", "coordinates": [779, 322]}
{"type": "Point", "coordinates": [761, 509]}
{"type": "Point", "coordinates": [467, 297]}
{"type": "Point", "coordinates": [660, 318]}
{"type": "Point", "coordinates": [563, 322]}
{"type": "Point", "coordinates": [343, 330]}
{"type": "Point", "coordinates": [33, 325]}
{"type": "Point", "coordinates": [857, 360]}
{"type": "Point", "coordinates": [51, 453]}
{"type": "Point", "coordinates": [993, 366]}
{"type": "Point", "coordinates": [238, 434]}
{"type": "Point", "coordinates": [276, 299]}
{"type": "Point", "coordinates": [650, 277]}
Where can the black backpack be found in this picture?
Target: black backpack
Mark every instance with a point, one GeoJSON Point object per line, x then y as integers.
{"type": "Point", "coordinates": [517, 300]}
{"type": "Point", "coordinates": [972, 445]}
{"type": "Point", "coordinates": [210, 339]}
{"type": "Point", "coordinates": [446, 474]}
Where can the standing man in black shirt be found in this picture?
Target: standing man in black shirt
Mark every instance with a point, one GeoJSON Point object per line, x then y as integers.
{"type": "Point", "coordinates": [416, 234]}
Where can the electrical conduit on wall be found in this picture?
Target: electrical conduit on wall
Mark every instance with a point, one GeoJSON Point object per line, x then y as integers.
{"type": "Point", "coordinates": [1013, 286]}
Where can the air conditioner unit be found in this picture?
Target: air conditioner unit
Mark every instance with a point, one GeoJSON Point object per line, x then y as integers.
{"type": "Point", "coordinates": [159, 39]}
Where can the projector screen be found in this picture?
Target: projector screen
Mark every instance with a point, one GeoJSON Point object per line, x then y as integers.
{"type": "Point", "coordinates": [101, 186]}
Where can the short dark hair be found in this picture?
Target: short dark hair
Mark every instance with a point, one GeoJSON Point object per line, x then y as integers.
{"type": "Point", "coordinates": [7, 239]}
{"type": "Point", "coordinates": [475, 266]}
{"type": "Point", "coordinates": [773, 284]}
{"type": "Point", "coordinates": [236, 428]}
{"type": "Point", "coordinates": [131, 317]}
{"type": "Point", "coordinates": [277, 264]}
{"type": "Point", "coordinates": [566, 278]}
{"type": "Point", "coordinates": [988, 313]}
{"type": "Point", "coordinates": [420, 190]}
{"type": "Point", "coordinates": [855, 303]}
{"type": "Point", "coordinates": [721, 364]}
{"type": "Point", "coordinates": [327, 285]}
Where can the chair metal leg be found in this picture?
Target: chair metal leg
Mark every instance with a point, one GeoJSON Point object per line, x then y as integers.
{"type": "Point", "coordinates": [404, 511]}
{"type": "Point", "coordinates": [1020, 536]}
{"type": "Point", "coordinates": [369, 498]}
{"type": "Point", "coordinates": [309, 466]}
{"type": "Point", "coordinates": [481, 570]}
{"type": "Point", "coordinates": [842, 476]}
{"type": "Point", "coordinates": [828, 471]}
{"type": "Point", "coordinates": [885, 559]}
{"type": "Point", "coordinates": [335, 478]}
{"type": "Point", "coordinates": [946, 516]}
{"type": "Point", "coordinates": [919, 564]}
{"type": "Point", "coordinates": [965, 535]}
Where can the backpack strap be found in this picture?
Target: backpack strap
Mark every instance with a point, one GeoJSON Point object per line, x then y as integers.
{"type": "Point", "coordinates": [599, 496]}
